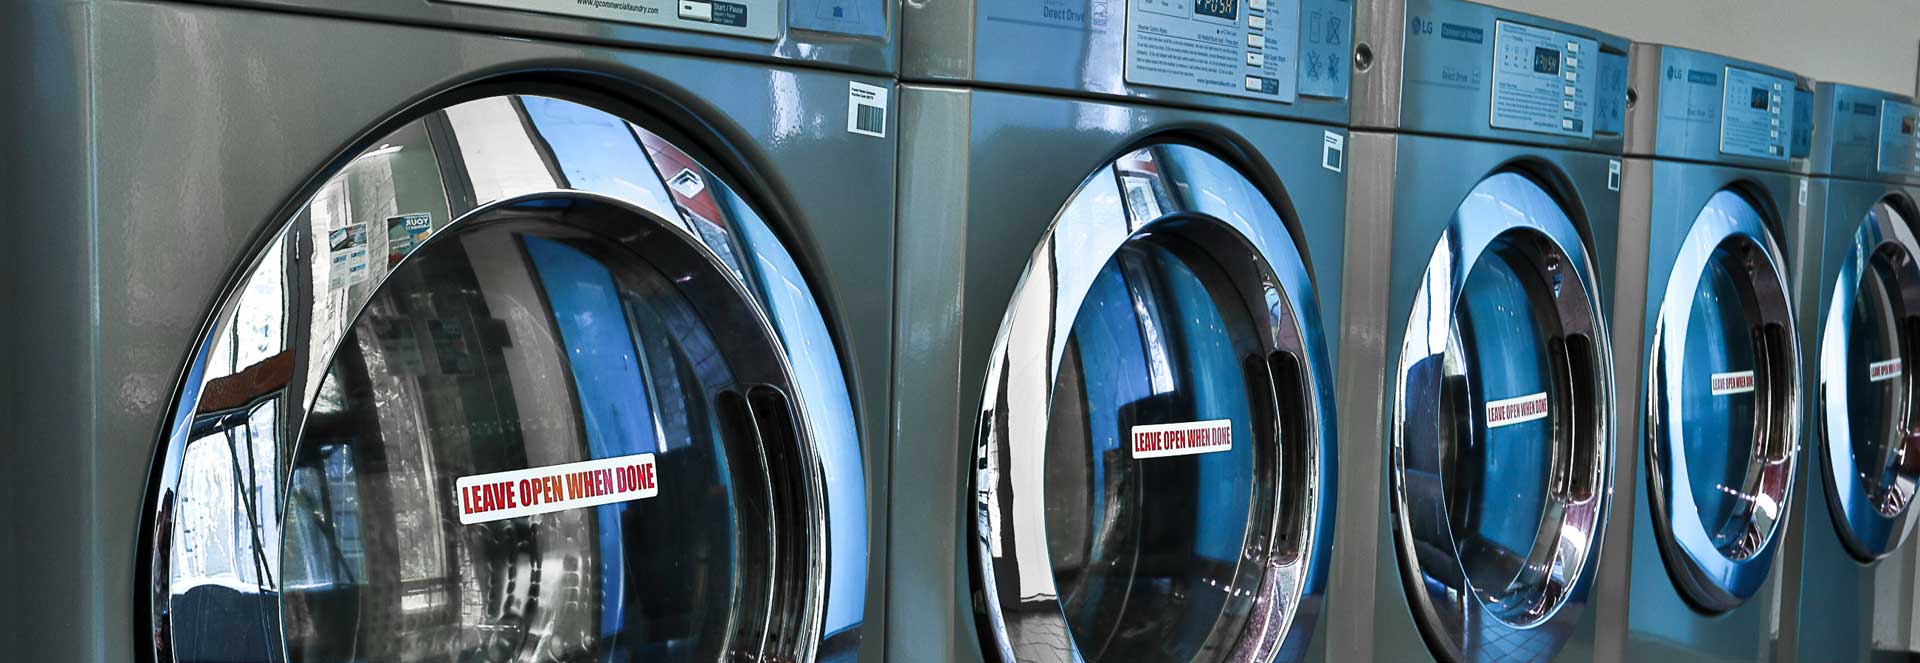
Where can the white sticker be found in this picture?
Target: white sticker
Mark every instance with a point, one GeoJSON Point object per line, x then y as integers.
{"type": "Point", "coordinates": [866, 109]}
{"type": "Point", "coordinates": [1883, 370]}
{"type": "Point", "coordinates": [1803, 193]}
{"type": "Point", "coordinates": [1182, 439]}
{"type": "Point", "coordinates": [1728, 384]}
{"type": "Point", "coordinates": [1613, 174]}
{"type": "Point", "coordinates": [1333, 151]}
{"type": "Point", "coordinates": [536, 490]}
{"type": "Point", "coordinates": [1518, 410]}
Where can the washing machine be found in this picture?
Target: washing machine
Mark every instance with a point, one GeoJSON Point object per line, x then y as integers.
{"type": "Point", "coordinates": [1119, 254]}
{"type": "Point", "coordinates": [1479, 435]}
{"type": "Point", "coordinates": [1851, 563]}
{"type": "Point", "coordinates": [424, 331]}
{"type": "Point", "coordinates": [1713, 271]}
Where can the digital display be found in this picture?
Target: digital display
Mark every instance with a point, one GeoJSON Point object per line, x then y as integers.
{"type": "Point", "coordinates": [1757, 99]}
{"type": "Point", "coordinates": [1546, 61]}
{"type": "Point", "coordinates": [1226, 9]}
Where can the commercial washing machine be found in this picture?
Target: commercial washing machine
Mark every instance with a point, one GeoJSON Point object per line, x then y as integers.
{"type": "Point", "coordinates": [1119, 250]}
{"type": "Point", "coordinates": [1714, 265]}
{"type": "Point", "coordinates": [1851, 574]}
{"type": "Point", "coordinates": [1478, 410]}
{"type": "Point", "coordinates": [419, 331]}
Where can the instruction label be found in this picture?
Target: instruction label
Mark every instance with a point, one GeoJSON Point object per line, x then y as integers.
{"type": "Point", "coordinates": [1887, 369]}
{"type": "Point", "coordinates": [1728, 384]}
{"type": "Point", "coordinates": [1182, 439]}
{"type": "Point", "coordinates": [1517, 410]}
{"type": "Point", "coordinates": [1243, 48]}
{"type": "Point", "coordinates": [759, 19]}
{"type": "Point", "coordinates": [536, 490]}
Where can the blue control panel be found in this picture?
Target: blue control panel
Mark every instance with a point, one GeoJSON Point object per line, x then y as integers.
{"type": "Point", "coordinates": [1543, 80]}
{"type": "Point", "coordinates": [1243, 48]}
{"type": "Point", "coordinates": [1899, 138]}
{"type": "Point", "coordinates": [1755, 114]}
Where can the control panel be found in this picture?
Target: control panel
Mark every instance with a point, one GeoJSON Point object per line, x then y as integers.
{"type": "Point", "coordinates": [1899, 138]}
{"type": "Point", "coordinates": [1755, 114]}
{"type": "Point", "coordinates": [1244, 48]}
{"type": "Point", "coordinates": [1543, 80]}
{"type": "Point", "coordinates": [757, 19]}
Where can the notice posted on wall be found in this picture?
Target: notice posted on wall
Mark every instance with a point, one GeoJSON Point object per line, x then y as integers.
{"type": "Point", "coordinates": [1182, 439]}
{"type": "Point", "coordinates": [536, 490]}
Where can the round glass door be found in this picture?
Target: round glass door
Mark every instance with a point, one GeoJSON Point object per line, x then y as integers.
{"type": "Point", "coordinates": [1501, 435]}
{"type": "Point", "coordinates": [514, 386]}
{"type": "Point", "coordinates": [1155, 449]}
{"type": "Point", "coordinates": [1870, 440]}
{"type": "Point", "coordinates": [1723, 409]}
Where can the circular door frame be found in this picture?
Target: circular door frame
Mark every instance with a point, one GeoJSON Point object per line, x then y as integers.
{"type": "Point", "coordinates": [833, 558]}
{"type": "Point", "coordinates": [1236, 225]}
{"type": "Point", "coordinates": [1712, 578]}
{"type": "Point", "coordinates": [1444, 611]}
{"type": "Point", "coordinates": [1864, 531]}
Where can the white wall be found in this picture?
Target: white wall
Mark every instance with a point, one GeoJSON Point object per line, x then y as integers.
{"type": "Point", "coordinates": [1874, 43]}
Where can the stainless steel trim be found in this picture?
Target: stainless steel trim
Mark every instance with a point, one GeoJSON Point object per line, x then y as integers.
{"type": "Point", "coordinates": [1223, 213]}
{"type": "Point", "coordinates": [1718, 578]}
{"type": "Point", "coordinates": [1871, 526]}
{"type": "Point", "coordinates": [1528, 613]}
{"type": "Point", "coordinates": [492, 160]}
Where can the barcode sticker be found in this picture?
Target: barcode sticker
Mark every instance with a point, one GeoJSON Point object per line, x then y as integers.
{"type": "Point", "coordinates": [1182, 439]}
{"type": "Point", "coordinates": [1519, 410]}
{"type": "Point", "coordinates": [1333, 151]}
{"type": "Point", "coordinates": [1883, 370]}
{"type": "Point", "coordinates": [1613, 175]}
{"type": "Point", "coordinates": [1803, 193]}
{"type": "Point", "coordinates": [866, 109]}
{"type": "Point", "coordinates": [1728, 384]}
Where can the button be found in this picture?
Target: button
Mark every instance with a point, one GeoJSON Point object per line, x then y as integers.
{"type": "Point", "coordinates": [1774, 133]}
{"type": "Point", "coordinates": [1566, 124]}
{"type": "Point", "coordinates": [1257, 5]}
{"type": "Point", "coordinates": [1573, 47]}
{"type": "Point", "coordinates": [1776, 86]}
{"type": "Point", "coordinates": [1256, 41]}
{"type": "Point", "coordinates": [1572, 62]}
{"type": "Point", "coordinates": [1569, 90]}
{"type": "Point", "coordinates": [696, 11]}
{"type": "Point", "coordinates": [1573, 77]}
{"type": "Point", "coordinates": [1256, 60]}
{"type": "Point", "coordinates": [1567, 105]}
{"type": "Point", "coordinates": [1257, 22]}
{"type": "Point", "coordinates": [1253, 83]}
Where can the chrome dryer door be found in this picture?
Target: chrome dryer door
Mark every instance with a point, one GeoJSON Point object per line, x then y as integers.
{"type": "Point", "coordinates": [522, 381]}
{"type": "Point", "coordinates": [1502, 429]}
{"type": "Point", "coordinates": [1870, 441]}
{"type": "Point", "coordinates": [1723, 403]}
{"type": "Point", "coordinates": [1154, 453]}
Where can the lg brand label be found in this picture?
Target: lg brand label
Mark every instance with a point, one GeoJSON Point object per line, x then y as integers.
{"type": "Point", "coordinates": [501, 495]}
{"type": "Point", "coordinates": [1519, 410]}
{"type": "Point", "coordinates": [1182, 439]}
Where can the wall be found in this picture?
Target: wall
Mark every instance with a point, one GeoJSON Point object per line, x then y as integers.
{"type": "Point", "coordinates": [1874, 43]}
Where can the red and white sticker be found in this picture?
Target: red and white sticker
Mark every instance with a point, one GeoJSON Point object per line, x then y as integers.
{"type": "Point", "coordinates": [1182, 439]}
{"type": "Point", "coordinates": [1517, 410]}
{"type": "Point", "coordinates": [1883, 370]}
{"type": "Point", "coordinates": [1728, 384]}
{"type": "Point", "coordinates": [536, 490]}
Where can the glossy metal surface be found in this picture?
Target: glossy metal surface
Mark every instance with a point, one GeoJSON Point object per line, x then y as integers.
{"type": "Point", "coordinates": [1189, 202]}
{"type": "Point", "coordinates": [1720, 466]}
{"type": "Point", "coordinates": [539, 167]}
{"type": "Point", "coordinates": [1869, 460]}
{"type": "Point", "coordinates": [1498, 530]}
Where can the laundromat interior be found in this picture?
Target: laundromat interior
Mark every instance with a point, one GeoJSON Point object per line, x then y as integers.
{"type": "Point", "coordinates": [960, 331]}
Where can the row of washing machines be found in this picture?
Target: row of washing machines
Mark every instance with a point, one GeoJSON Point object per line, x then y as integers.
{"type": "Point", "coordinates": [1063, 331]}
